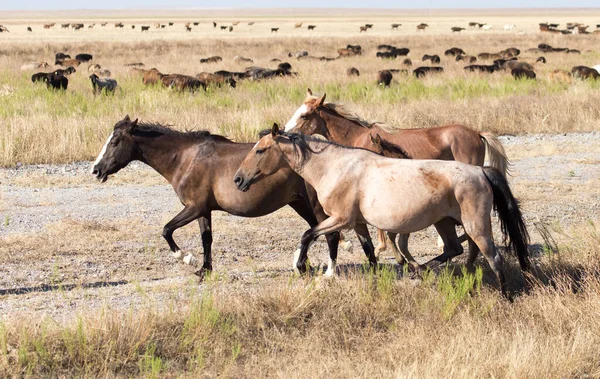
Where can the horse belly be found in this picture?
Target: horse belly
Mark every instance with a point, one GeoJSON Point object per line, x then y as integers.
{"type": "Point", "coordinates": [401, 205]}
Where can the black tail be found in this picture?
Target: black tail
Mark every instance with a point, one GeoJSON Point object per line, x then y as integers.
{"type": "Point", "coordinates": [511, 220]}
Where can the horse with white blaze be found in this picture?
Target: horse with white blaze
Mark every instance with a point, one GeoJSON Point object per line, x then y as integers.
{"type": "Point", "coordinates": [357, 187]}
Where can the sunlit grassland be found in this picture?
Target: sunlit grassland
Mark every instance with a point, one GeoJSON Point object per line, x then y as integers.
{"type": "Point", "coordinates": [42, 126]}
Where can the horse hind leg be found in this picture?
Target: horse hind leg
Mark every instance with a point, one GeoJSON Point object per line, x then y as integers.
{"type": "Point", "coordinates": [487, 247]}
{"type": "Point", "coordinates": [397, 255]}
{"type": "Point", "coordinates": [406, 255]}
{"type": "Point", "coordinates": [446, 229]}
{"type": "Point", "coordinates": [382, 242]}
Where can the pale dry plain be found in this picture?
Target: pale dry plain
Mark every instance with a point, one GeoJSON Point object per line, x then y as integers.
{"type": "Point", "coordinates": [88, 288]}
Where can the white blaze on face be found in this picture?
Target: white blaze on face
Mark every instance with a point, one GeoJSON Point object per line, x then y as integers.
{"type": "Point", "coordinates": [102, 152]}
{"type": "Point", "coordinates": [294, 120]}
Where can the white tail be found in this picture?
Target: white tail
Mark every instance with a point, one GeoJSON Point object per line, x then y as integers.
{"type": "Point", "coordinates": [496, 153]}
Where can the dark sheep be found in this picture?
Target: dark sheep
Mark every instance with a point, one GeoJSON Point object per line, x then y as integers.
{"type": "Point", "coordinates": [182, 82]}
{"type": "Point", "coordinates": [424, 70]}
{"type": "Point", "coordinates": [585, 72]}
{"type": "Point", "coordinates": [407, 62]}
{"type": "Point", "coordinates": [213, 59]}
{"type": "Point", "coordinates": [56, 81]}
{"type": "Point", "coordinates": [522, 73]}
{"type": "Point", "coordinates": [384, 78]}
{"type": "Point", "coordinates": [482, 68]}
{"type": "Point", "coordinates": [435, 59]}
{"type": "Point", "coordinates": [84, 57]}
{"type": "Point", "coordinates": [68, 71]}
{"type": "Point", "coordinates": [215, 79]}
{"type": "Point", "coordinates": [454, 52]}
{"type": "Point", "coordinates": [466, 58]}
{"type": "Point", "coordinates": [353, 71]}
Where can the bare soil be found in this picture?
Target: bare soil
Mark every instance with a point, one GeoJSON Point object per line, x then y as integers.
{"type": "Point", "coordinates": [69, 244]}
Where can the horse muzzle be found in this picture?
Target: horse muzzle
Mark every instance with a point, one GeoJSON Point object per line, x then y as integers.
{"type": "Point", "coordinates": [241, 183]}
{"type": "Point", "coordinates": [101, 176]}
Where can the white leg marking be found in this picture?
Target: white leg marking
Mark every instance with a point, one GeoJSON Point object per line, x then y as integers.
{"type": "Point", "coordinates": [102, 152]}
{"type": "Point", "coordinates": [294, 120]}
{"type": "Point", "coordinates": [296, 257]}
{"type": "Point", "coordinates": [178, 255]}
{"type": "Point", "coordinates": [190, 259]}
{"type": "Point", "coordinates": [440, 242]}
{"type": "Point", "coordinates": [330, 273]}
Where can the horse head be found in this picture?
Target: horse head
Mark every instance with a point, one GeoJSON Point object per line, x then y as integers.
{"type": "Point", "coordinates": [118, 151]}
{"type": "Point", "coordinates": [306, 119]}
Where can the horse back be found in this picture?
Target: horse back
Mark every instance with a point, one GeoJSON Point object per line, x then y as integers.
{"type": "Point", "coordinates": [448, 142]}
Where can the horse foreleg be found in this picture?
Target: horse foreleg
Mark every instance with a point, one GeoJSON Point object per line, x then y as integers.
{"type": "Point", "coordinates": [362, 232]}
{"type": "Point", "coordinates": [329, 226]}
{"type": "Point", "coordinates": [312, 216]}
{"type": "Point", "coordinates": [205, 224]}
{"type": "Point", "coordinates": [187, 215]}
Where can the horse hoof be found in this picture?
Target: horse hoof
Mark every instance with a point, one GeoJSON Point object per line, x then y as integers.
{"type": "Point", "coordinates": [201, 274]}
{"type": "Point", "coordinates": [190, 260]}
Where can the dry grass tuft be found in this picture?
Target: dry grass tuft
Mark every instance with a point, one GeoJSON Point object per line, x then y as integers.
{"type": "Point", "coordinates": [361, 325]}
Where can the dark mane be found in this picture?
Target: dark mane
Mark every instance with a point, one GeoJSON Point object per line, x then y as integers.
{"type": "Point", "coordinates": [157, 129]}
{"type": "Point", "coordinates": [300, 141]}
{"type": "Point", "coordinates": [394, 149]}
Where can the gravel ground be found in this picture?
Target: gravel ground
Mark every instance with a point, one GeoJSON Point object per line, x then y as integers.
{"type": "Point", "coordinates": [69, 245]}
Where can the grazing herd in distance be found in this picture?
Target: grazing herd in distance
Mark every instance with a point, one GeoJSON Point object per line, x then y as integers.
{"type": "Point", "coordinates": [507, 60]}
{"type": "Point", "coordinates": [570, 27]}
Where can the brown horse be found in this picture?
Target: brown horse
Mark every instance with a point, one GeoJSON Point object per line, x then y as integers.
{"type": "Point", "coordinates": [451, 142]}
{"type": "Point", "coordinates": [357, 187]}
{"type": "Point", "coordinates": [199, 166]}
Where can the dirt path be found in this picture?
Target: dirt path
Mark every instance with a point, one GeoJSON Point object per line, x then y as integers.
{"type": "Point", "coordinates": [69, 244]}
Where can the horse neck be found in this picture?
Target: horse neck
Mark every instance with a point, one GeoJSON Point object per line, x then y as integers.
{"type": "Point", "coordinates": [162, 153]}
{"type": "Point", "coordinates": [315, 166]}
{"type": "Point", "coordinates": [341, 130]}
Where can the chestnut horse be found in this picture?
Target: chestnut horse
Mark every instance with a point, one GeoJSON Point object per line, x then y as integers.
{"type": "Point", "coordinates": [199, 166]}
{"type": "Point", "coordinates": [357, 187]}
{"type": "Point", "coordinates": [451, 142]}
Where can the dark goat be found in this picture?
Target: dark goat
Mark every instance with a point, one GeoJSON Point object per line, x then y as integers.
{"type": "Point", "coordinates": [106, 84]}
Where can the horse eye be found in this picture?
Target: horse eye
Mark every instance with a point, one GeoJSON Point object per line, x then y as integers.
{"type": "Point", "coordinates": [260, 151]}
{"type": "Point", "coordinates": [114, 142]}
{"type": "Point", "coordinates": [304, 117]}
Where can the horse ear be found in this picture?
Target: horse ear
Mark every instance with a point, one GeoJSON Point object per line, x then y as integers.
{"type": "Point", "coordinates": [131, 126]}
{"type": "Point", "coordinates": [322, 100]}
{"type": "Point", "coordinates": [309, 92]}
{"type": "Point", "coordinates": [376, 139]}
{"type": "Point", "coordinates": [127, 118]}
{"type": "Point", "coordinates": [275, 130]}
